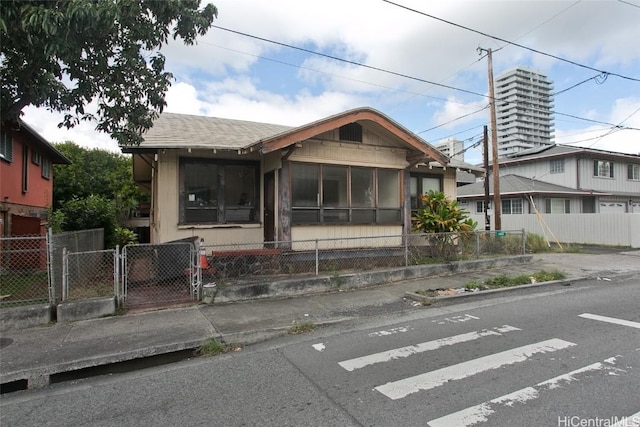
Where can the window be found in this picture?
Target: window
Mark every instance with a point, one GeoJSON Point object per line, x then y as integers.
{"type": "Point", "coordinates": [351, 132]}
{"type": "Point", "coordinates": [6, 146]}
{"type": "Point", "coordinates": [25, 168]}
{"type": "Point", "coordinates": [46, 168]}
{"type": "Point", "coordinates": [633, 172]}
{"type": "Point", "coordinates": [511, 206]}
{"type": "Point", "coordinates": [420, 185]}
{"type": "Point", "coordinates": [558, 206]}
{"type": "Point", "coordinates": [36, 158]}
{"type": "Point", "coordinates": [556, 166]}
{"type": "Point", "coordinates": [480, 206]}
{"type": "Point", "coordinates": [344, 194]}
{"type": "Point", "coordinates": [603, 168]}
{"type": "Point", "coordinates": [217, 193]}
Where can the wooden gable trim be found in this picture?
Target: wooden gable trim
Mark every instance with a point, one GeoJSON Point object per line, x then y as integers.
{"type": "Point", "coordinates": [306, 132]}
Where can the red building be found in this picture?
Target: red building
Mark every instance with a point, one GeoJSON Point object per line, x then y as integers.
{"type": "Point", "coordinates": [26, 179]}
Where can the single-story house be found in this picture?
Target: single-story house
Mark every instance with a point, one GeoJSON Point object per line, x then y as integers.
{"type": "Point", "coordinates": [353, 174]}
{"type": "Point", "coordinates": [521, 195]}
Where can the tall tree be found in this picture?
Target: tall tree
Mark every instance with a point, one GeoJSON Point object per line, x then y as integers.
{"type": "Point", "coordinates": [64, 54]}
{"type": "Point", "coordinates": [95, 172]}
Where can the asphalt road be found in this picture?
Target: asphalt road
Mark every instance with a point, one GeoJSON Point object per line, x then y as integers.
{"type": "Point", "coordinates": [565, 356]}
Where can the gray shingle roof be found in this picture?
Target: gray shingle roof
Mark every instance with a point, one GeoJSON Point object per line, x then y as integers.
{"type": "Point", "coordinates": [187, 131]}
{"type": "Point", "coordinates": [518, 185]}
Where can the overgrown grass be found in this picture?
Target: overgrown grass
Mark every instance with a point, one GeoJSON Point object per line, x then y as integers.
{"type": "Point", "coordinates": [504, 281]}
{"type": "Point", "coordinates": [302, 328]}
{"type": "Point", "coordinates": [212, 348]}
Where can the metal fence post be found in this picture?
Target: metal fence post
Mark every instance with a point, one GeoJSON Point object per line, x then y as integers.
{"type": "Point", "coordinates": [50, 272]}
{"type": "Point", "coordinates": [477, 245]}
{"type": "Point", "coordinates": [406, 250]}
{"type": "Point", "coordinates": [524, 242]}
{"type": "Point", "coordinates": [317, 258]}
{"type": "Point", "coordinates": [116, 273]}
{"type": "Point", "coordinates": [65, 273]}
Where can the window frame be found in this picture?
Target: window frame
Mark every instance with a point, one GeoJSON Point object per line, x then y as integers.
{"type": "Point", "coordinates": [516, 203]}
{"type": "Point", "coordinates": [420, 188]}
{"type": "Point", "coordinates": [598, 171]}
{"type": "Point", "coordinates": [346, 213]}
{"type": "Point", "coordinates": [46, 168]}
{"type": "Point", "coordinates": [222, 206]}
{"type": "Point", "coordinates": [556, 165]}
{"type": "Point", "coordinates": [351, 132]}
{"type": "Point", "coordinates": [548, 205]}
{"type": "Point", "coordinates": [6, 146]}
{"type": "Point", "coordinates": [633, 172]}
{"type": "Point", "coordinates": [25, 169]}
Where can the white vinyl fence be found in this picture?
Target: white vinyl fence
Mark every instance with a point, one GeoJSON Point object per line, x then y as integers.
{"type": "Point", "coordinates": [617, 229]}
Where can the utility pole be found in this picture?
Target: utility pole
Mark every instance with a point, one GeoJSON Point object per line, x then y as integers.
{"type": "Point", "coordinates": [497, 204]}
{"type": "Point", "coordinates": [487, 199]}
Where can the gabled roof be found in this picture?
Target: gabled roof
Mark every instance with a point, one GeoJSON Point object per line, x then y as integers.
{"type": "Point", "coordinates": [558, 150]}
{"type": "Point", "coordinates": [47, 148]}
{"type": "Point", "coordinates": [172, 130]}
{"type": "Point", "coordinates": [362, 115]}
{"type": "Point", "coordinates": [516, 185]}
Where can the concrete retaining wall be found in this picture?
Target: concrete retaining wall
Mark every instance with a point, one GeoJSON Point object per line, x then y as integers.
{"type": "Point", "coordinates": [71, 311]}
{"type": "Point", "coordinates": [25, 317]}
{"type": "Point", "coordinates": [318, 284]}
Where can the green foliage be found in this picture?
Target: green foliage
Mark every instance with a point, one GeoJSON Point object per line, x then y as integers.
{"type": "Point", "coordinates": [64, 54]}
{"type": "Point", "coordinates": [301, 328]}
{"type": "Point", "coordinates": [56, 220]}
{"type": "Point", "coordinates": [212, 348]}
{"type": "Point", "coordinates": [439, 214]}
{"type": "Point", "coordinates": [445, 224]}
{"type": "Point", "coordinates": [95, 172]}
{"type": "Point", "coordinates": [124, 236]}
{"type": "Point", "coordinates": [536, 244]}
{"type": "Point", "coordinates": [503, 281]}
{"type": "Point", "coordinates": [91, 212]}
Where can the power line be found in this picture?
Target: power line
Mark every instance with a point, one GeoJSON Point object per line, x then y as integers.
{"type": "Point", "coordinates": [511, 43]}
{"type": "Point", "coordinates": [456, 119]}
{"type": "Point", "coordinates": [629, 3]}
{"type": "Point", "coordinates": [392, 72]}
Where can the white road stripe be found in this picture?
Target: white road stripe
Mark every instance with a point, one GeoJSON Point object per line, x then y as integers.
{"type": "Point", "coordinates": [610, 320]}
{"type": "Point", "coordinates": [385, 356]}
{"type": "Point", "coordinates": [480, 413]}
{"type": "Point", "coordinates": [399, 389]}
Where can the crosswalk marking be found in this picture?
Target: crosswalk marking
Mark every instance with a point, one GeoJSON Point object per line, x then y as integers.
{"type": "Point", "coordinates": [610, 320]}
{"type": "Point", "coordinates": [399, 389]}
{"type": "Point", "coordinates": [480, 413]}
{"type": "Point", "coordinates": [385, 356]}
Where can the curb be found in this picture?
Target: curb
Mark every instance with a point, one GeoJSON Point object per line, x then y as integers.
{"type": "Point", "coordinates": [430, 300]}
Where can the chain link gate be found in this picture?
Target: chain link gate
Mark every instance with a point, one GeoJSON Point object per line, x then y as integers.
{"type": "Point", "coordinates": [159, 274]}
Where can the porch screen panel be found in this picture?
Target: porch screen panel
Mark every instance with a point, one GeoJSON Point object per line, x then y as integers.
{"type": "Point", "coordinates": [200, 192]}
{"type": "Point", "coordinates": [388, 196]}
{"type": "Point", "coordinates": [240, 193]}
{"type": "Point", "coordinates": [362, 196]}
{"type": "Point", "coordinates": [335, 199]}
{"type": "Point", "coordinates": [305, 193]}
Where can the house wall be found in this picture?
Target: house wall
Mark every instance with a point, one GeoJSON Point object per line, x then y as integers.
{"type": "Point", "coordinates": [39, 192]}
{"type": "Point", "coordinates": [540, 170]}
{"type": "Point", "coordinates": [601, 229]}
{"type": "Point", "coordinates": [618, 184]}
{"type": "Point", "coordinates": [360, 235]}
{"type": "Point", "coordinates": [164, 223]}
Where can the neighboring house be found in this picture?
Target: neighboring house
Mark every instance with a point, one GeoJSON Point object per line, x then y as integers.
{"type": "Point", "coordinates": [26, 179]}
{"type": "Point", "coordinates": [358, 173]}
{"type": "Point", "coordinates": [611, 179]}
{"type": "Point", "coordinates": [520, 195]}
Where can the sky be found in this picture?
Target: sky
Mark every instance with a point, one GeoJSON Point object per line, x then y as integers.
{"type": "Point", "coordinates": [417, 61]}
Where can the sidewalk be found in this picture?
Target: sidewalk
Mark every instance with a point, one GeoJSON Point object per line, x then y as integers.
{"type": "Point", "coordinates": [31, 357]}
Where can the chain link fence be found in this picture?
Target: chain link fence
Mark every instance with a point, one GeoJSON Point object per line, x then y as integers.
{"type": "Point", "coordinates": [24, 276]}
{"type": "Point", "coordinates": [90, 274]}
{"type": "Point", "coordinates": [159, 273]}
{"type": "Point", "coordinates": [339, 256]}
{"type": "Point", "coordinates": [73, 241]}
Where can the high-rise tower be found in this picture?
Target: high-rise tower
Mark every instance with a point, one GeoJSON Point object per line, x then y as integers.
{"type": "Point", "coordinates": [524, 104]}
